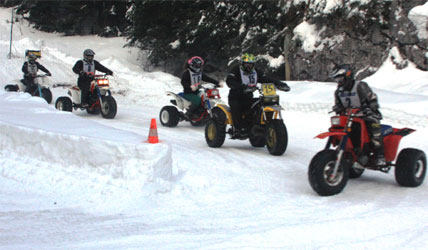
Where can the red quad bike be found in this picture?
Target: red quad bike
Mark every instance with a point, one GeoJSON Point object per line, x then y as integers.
{"type": "Point", "coordinates": [353, 152]}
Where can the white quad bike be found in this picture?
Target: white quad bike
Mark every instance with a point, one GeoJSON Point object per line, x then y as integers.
{"type": "Point", "coordinates": [170, 116]}
{"type": "Point", "coordinates": [41, 88]}
{"type": "Point", "coordinates": [99, 100]}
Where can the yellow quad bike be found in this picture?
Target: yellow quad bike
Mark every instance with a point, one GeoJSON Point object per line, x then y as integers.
{"type": "Point", "coordinates": [264, 117]}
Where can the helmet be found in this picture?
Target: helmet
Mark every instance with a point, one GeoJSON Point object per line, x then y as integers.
{"type": "Point", "coordinates": [31, 58]}
{"type": "Point", "coordinates": [344, 75]}
{"type": "Point", "coordinates": [247, 62]}
{"type": "Point", "coordinates": [195, 64]}
{"type": "Point", "coordinates": [88, 55]}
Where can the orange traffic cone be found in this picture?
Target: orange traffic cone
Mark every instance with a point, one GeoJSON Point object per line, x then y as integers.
{"type": "Point", "coordinates": [153, 133]}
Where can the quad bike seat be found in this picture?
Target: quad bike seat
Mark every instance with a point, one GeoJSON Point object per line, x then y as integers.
{"type": "Point", "coordinates": [386, 129]}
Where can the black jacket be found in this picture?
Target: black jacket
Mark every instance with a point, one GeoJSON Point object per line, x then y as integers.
{"type": "Point", "coordinates": [234, 82]}
{"type": "Point", "coordinates": [78, 67]}
{"type": "Point", "coordinates": [39, 66]}
{"type": "Point", "coordinates": [186, 82]}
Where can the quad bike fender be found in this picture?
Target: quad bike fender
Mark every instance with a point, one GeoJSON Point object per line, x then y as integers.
{"type": "Point", "coordinates": [74, 92]}
{"type": "Point", "coordinates": [182, 103]}
{"type": "Point", "coordinates": [226, 110]}
{"type": "Point", "coordinates": [21, 85]}
{"type": "Point", "coordinates": [328, 134]}
{"type": "Point", "coordinates": [276, 113]}
{"type": "Point", "coordinates": [392, 141]}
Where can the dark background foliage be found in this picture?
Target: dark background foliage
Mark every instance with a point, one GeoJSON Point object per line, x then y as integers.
{"type": "Point", "coordinates": [172, 31]}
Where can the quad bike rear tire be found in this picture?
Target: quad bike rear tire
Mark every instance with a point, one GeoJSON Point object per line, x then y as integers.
{"type": "Point", "coordinates": [276, 137]}
{"type": "Point", "coordinates": [355, 173]}
{"type": "Point", "coordinates": [11, 88]}
{"type": "Point", "coordinates": [257, 141]}
{"type": "Point", "coordinates": [47, 95]}
{"type": "Point", "coordinates": [215, 133]}
{"type": "Point", "coordinates": [411, 167]}
{"type": "Point", "coordinates": [109, 107]}
{"type": "Point", "coordinates": [321, 167]}
{"type": "Point", "coordinates": [93, 111]}
{"type": "Point", "coordinates": [169, 116]}
{"type": "Point", "coordinates": [64, 103]}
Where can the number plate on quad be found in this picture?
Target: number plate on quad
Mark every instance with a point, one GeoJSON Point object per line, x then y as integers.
{"type": "Point", "coordinates": [269, 89]}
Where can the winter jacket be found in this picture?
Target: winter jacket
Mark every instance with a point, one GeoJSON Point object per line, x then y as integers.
{"type": "Point", "coordinates": [188, 78]}
{"type": "Point", "coordinates": [360, 95]}
{"type": "Point", "coordinates": [31, 68]}
{"type": "Point", "coordinates": [82, 67]}
{"type": "Point", "coordinates": [237, 84]}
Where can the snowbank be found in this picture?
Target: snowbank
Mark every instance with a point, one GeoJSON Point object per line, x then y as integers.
{"type": "Point", "coordinates": [37, 133]}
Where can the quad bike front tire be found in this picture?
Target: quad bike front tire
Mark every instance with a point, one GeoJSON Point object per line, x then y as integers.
{"type": "Point", "coordinates": [47, 95]}
{"type": "Point", "coordinates": [215, 133]}
{"type": "Point", "coordinates": [411, 167]}
{"type": "Point", "coordinates": [320, 170]}
{"type": "Point", "coordinates": [169, 116]}
{"type": "Point", "coordinates": [64, 103]}
{"type": "Point", "coordinates": [108, 107]}
{"type": "Point", "coordinates": [276, 137]}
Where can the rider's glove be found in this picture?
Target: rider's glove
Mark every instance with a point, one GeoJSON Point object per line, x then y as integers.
{"type": "Point", "coordinates": [49, 74]}
{"type": "Point", "coordinates": [110, 73]}
{"type": "Point", "coordinates": [337, 109]}
{"type": "Point", "coordinates": [250, 88]}
{"type": "Point", "coordinates": [195, 86]}
{"type": "Point", "coordinates": [284, 87]}
{"type": "Point", "coordinates": [368, 112]}
{"type": "Point", "coordinates": [82, 73]}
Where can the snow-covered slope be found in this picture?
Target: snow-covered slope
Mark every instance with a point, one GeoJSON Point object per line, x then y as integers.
{"type": "Point", "coordinates": [75, 181]}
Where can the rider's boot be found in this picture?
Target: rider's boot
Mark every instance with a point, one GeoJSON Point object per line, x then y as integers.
{"type": "Point", "coordinates": [377, 141]}
{"type": "Point", "coordinates": [84, 99]}
{"type": "Point", "coordinates": [191, 111]}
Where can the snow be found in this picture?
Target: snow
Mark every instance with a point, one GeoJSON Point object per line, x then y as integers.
{"type": "Point", "coordinates": [77, 181]}
{"type": "Point", "coordinates": [419, 17]}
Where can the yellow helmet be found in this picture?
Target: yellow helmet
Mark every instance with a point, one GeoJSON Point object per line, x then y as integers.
{"type": "Point", "coordinates": [248, 58]}
{"type": "Point", "coordinates": [247, 62]}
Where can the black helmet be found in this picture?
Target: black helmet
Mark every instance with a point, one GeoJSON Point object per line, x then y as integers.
{"type": "Point", "coordinates": [88, 55]}
{"type": "Point", "coordinates": [343, 75]}
{"type": "Point", "coordinates": [195, 64]}
{"type": "Point", "coordinates": [344, 70]}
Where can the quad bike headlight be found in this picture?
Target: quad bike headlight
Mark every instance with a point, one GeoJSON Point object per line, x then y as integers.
{"type": "Point", "coordinates": [335, 121]}
{"type": "Point", "coordinates": [271, 99]}
{"type": "Point", "coordinates": [102, 82]}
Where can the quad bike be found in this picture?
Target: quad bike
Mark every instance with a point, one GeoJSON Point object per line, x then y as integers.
{"type": "Point", "coordinates": [39, 89]}
{"type": "Point", "coordinates": [266, 124]}
{"type": "Point", "coordinates": [170, 116]}
{"type": "Point", "coordinates": [100, 99]}
{"type": "Point", "coordinates": [353, 152]}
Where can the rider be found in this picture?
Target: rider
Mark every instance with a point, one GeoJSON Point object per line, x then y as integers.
{"type": "Point", "coordinates": [30, 69]}
{"type": "Point", "coordinates": [239, 79]}
{"type": "Point", "coordinates": [357, 94]}
{"type": "Point", "coordinates": [191, 79]}
{"type": "Point", "coordinates": [86, 69]}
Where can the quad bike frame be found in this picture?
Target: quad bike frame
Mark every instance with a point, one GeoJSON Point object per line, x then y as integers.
{"type": "Point", "coordinates": [349, 151]}
{"type": "Point", "coordinates": [42, 90]}
{"type": "Point", "coordinates": [100, 99]}
{"type": "Point", "coordinates": [267, 126]}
